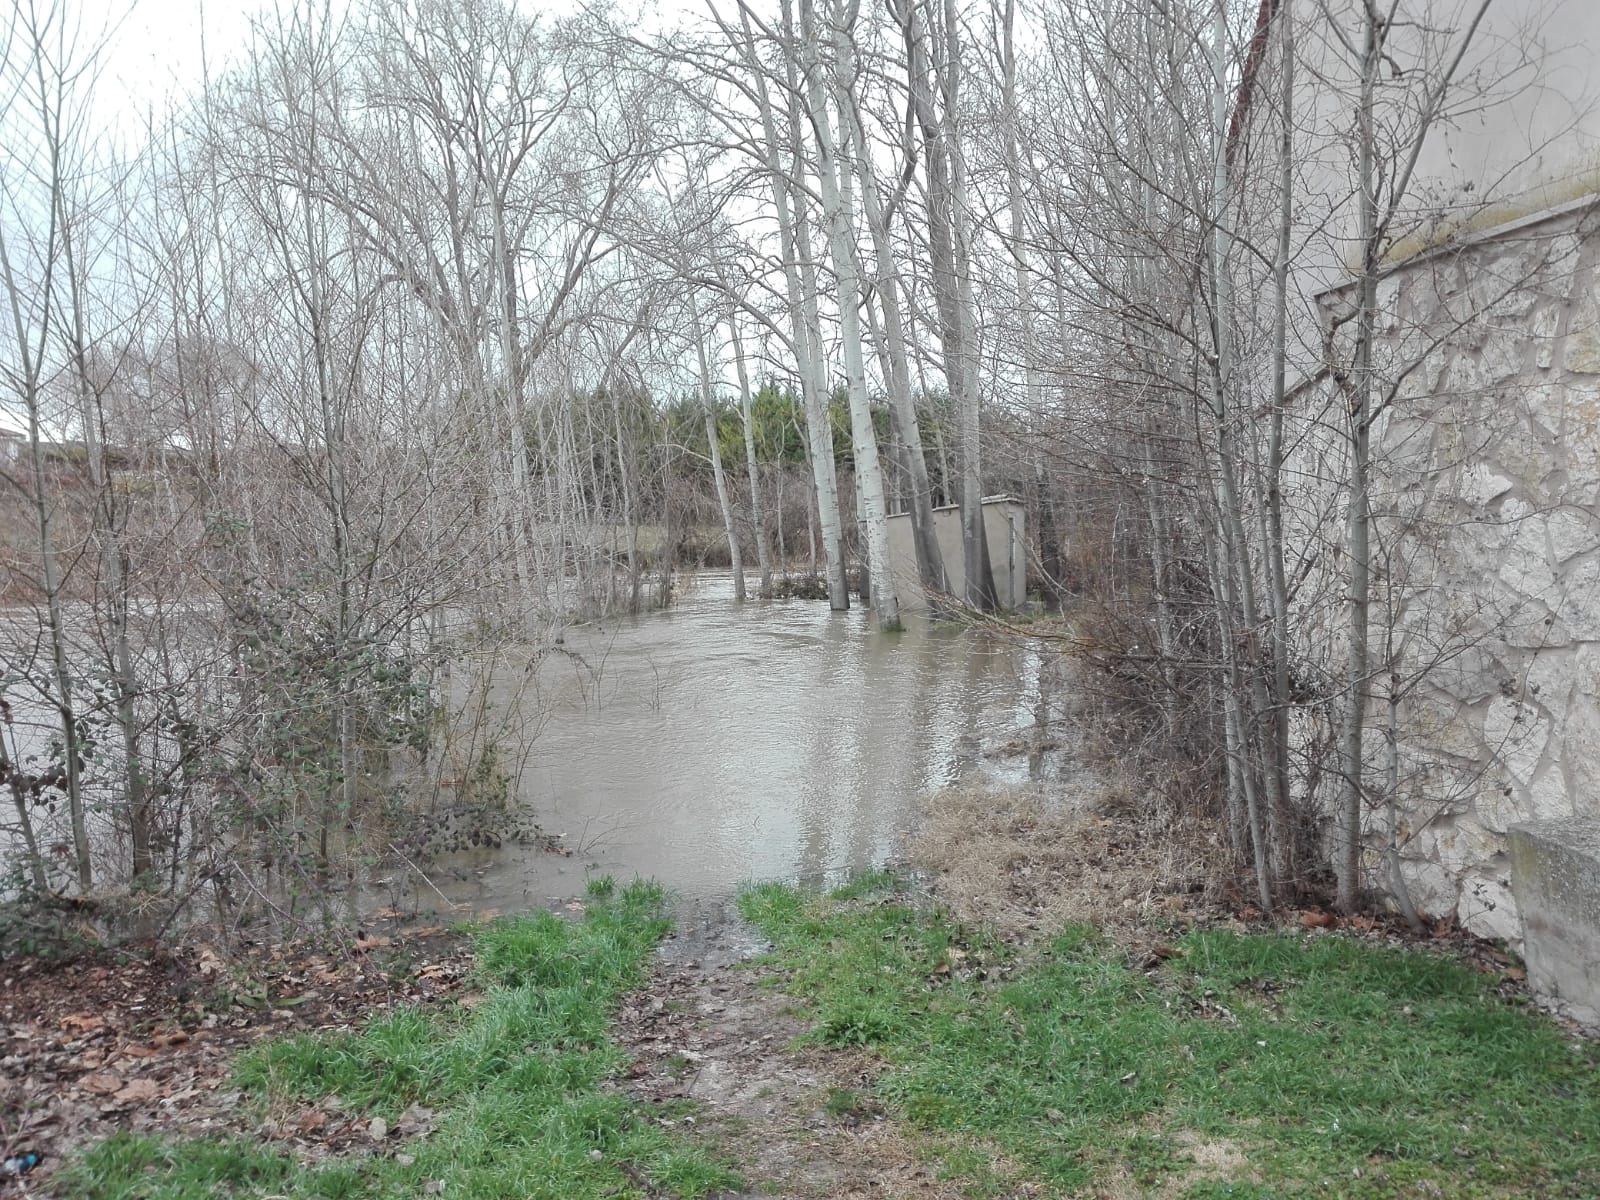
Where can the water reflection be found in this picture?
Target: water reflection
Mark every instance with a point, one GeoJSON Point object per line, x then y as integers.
{"type": "Point", "coordinates": [717, 743]}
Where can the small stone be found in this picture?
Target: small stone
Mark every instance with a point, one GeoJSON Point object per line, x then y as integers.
{"type": "Point", "coordinates": [378, 1129]}
{"type": "Point", "coordinates": [595, 1156]}
{"type": "Point", "coordinates": [405, 1160]}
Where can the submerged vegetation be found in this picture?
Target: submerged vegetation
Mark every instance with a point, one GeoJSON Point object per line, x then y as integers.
{"type": "Point", "coordinates": [515, 1084]}
{"type": "Point", "coordinates": [1223, 1064]}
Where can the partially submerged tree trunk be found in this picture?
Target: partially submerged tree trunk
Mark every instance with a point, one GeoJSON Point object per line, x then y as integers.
{"type": "Point", "coordinates": [836, 206]}
{"type": "Point", "coordinates": [718, 475]}
{"type": "Point", "coordinates": [897, 372]}
{"type": "Point", "coordinates": [950, 268]}
{"type": "Point", "coordinates": [758, 515]}
{"type": "Point", "coordinates": [804, 316]}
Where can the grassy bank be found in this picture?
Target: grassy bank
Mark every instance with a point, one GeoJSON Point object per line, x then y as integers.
{"type": "Point", "coordinates": [1224, 1065]}
{"type": "Point", "coordinates": [512, 1084]}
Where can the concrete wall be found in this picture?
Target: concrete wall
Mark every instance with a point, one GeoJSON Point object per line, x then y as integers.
{"type": "Point", "coordinates": [1520, 132]}
{"type": "Point", "coordinates": [1556, 869]}
{"type": "Point", "coordinates": [1005, 525]}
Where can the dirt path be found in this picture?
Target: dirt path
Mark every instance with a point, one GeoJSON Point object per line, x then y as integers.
{"type": "Point", "coordinates": [715, 1030]}
{"type": "Point", "coordinates": [91, 1047]}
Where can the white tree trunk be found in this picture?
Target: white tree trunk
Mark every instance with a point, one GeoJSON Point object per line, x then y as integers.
{"type": "Point", "coordinates": [930, 560]}
{"type": "Point", "coordinates": [758, 512]}
{"type": "Point", "coordinates": [719, 476]}
{"type": "Point", "coordinates": [804, 316]}
{"type": "Point", "coordinates": [836, 210]}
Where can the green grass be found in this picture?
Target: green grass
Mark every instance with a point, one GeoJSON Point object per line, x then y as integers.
{"type": "Point", "coordinates": [1329, 1067]}
{"type": "Point", "coordinates": [515, 1082]}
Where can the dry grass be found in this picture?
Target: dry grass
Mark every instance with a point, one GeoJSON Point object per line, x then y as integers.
{"type": "Point", "coordinates": [1028, 858]}
{"type": "Point", "coordinates": [1217, 1160]}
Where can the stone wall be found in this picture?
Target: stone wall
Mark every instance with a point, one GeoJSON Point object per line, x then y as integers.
{"type": "Point", "coordinates": [1486, 610]}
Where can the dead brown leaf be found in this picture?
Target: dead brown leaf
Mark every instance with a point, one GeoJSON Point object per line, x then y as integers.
{"type": "Point", "coordinates": [102, 1083]}
{"type": "Point", "coordinates": [138, 1091]}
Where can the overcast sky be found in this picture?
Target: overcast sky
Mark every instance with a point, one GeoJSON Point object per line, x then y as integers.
{"type": "Point", "coordinates": [159, 49]}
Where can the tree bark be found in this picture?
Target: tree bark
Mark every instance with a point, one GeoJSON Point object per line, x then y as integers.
{"type": "Point", "coordinates": [836, 206]}
{"type": "Point", "coordinates": [718, 475]}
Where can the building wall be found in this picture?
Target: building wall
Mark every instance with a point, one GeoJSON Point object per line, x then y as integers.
{"type": "Point", "coordinates": [1487, 578]}
{"type": "Point", "coordinates": [1004, 523]}
{"type": "Point", "coordinates": [1518, 135]}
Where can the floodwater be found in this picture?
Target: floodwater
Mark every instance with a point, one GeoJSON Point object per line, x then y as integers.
{"type": "Point", "coordinates": [716, 743]}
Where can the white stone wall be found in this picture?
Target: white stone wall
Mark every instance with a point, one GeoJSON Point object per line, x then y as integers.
{"type": "Point", "coordinates": [1487, 580]}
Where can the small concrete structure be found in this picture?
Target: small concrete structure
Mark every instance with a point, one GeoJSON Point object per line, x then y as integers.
{"type": "Point", "coordinates": [1555, 876]}
{"type": "Point", "coordinates": [1005, 526]}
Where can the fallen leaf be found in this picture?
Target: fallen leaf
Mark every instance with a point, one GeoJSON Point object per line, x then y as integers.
{"type": "Point", "coordinates": [138, 1091]}
{"type": "Point", "coordinates": [101, 1083]}
{"type": "Point", "coordinates": [83, 1022]}
{"type": "Point", "coordinates": [1318, 920]}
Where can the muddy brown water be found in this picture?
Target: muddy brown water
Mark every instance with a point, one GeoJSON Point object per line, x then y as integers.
{"type": "Point", "coordinates": [716, 743]}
